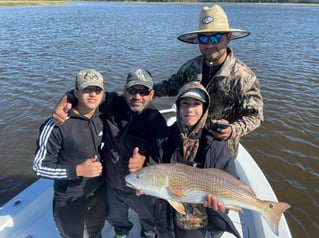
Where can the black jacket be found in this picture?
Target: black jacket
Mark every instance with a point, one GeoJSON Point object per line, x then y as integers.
{"type": "Point", "coordinates": [61, 148]}
{"type": "Point", "coordinates": [123, 131]}
{"type": "Point", "coordinates": [212, 153]}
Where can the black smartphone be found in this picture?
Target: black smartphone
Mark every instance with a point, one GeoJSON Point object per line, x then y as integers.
{"type": "Point", "coordinates": [220, 125]}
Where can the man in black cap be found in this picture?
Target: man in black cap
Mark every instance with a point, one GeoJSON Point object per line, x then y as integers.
{"type": "Point", "coordinates": [132, 124]}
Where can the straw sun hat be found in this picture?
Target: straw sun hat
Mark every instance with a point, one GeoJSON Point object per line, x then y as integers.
{"type": "Point", "coordinates": [212, 19]}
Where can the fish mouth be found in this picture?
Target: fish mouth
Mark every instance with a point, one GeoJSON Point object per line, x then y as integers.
{"type": "Point", "coordinates": [130, 185]}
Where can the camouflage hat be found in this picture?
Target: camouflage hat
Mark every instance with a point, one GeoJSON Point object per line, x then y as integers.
{"type": "Point", "coordinates": [89, 77]}
{"type": "Point", "coordinates": [212, 20]}
{"type": "Point", "coordinates": [139, 77]}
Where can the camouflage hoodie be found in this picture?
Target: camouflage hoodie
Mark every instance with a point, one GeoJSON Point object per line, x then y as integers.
{"type": "Point", "coordinates": [196, 215]}
{"type": "Point", "coordinates": [234, 90]}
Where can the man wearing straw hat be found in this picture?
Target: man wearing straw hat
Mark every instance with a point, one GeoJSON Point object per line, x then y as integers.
{"type": "Point", "coordinates": [234, 89]}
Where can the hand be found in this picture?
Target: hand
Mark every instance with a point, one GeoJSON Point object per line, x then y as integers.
{"type": "Point", "coordinates": [60, 112]}
{"type": "Point", "coordinates": [89, 168]}
{"type": "Point", "coordinates": [139, 192]}
{"type": "Point", "coordinates": [212, 202]}
{"type": "Point", "coordinates": [222, 134]}
{"type": "Point", "coordinates": [136, 162]}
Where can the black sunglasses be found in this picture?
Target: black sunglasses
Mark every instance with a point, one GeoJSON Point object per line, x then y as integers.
{"type": "Point", "coordinates": [215, 39]}
{"type": "Point", "coordinates": [142, 92]}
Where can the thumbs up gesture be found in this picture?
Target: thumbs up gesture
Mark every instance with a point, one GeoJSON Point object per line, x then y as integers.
{"type": "Point", "coordinates": [89, 168]}
{"type": "Point", "coordinates": [136, 161]}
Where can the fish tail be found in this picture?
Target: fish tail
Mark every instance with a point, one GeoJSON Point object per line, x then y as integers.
{"type": "Point", "coordinates": [272, 213]}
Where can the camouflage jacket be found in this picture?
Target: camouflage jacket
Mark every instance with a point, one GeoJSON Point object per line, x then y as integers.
{"type": "Point", "coordinates": [234, 91]}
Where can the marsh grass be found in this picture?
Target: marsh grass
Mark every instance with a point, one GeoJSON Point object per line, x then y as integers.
{"type": "Point", "coordinates": [30, 2]}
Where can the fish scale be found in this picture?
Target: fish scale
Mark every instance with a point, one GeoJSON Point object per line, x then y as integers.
{"type": "Point", "coordinates": [197, 184]}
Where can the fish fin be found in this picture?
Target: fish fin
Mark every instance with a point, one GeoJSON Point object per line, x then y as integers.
{"type": "Point", "coordinates": [178, 206]}
{"type": "Point", "coordinates": [234, 208]}
{"type": "Point", "coordinates": [247, 189]}
{"type": "Point", "coordinates": [176, 192]}
{"type": "Point", "coordinates": [272, 212]}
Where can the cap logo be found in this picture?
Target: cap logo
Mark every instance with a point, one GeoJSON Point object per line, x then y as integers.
{"type": "Point", "coordinates": [207, 20]}
{"type": "Point", "coordinates": [90, 76]}
{"type": "Point", "coordinates": [140, 75]}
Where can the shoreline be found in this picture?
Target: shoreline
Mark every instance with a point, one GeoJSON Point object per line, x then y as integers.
{"type": "Point", "coordinates": [8, 3]}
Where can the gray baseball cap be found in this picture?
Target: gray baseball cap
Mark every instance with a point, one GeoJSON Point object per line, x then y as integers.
{"type": "Point", "coordinates": [89, 77]}
{"type": "Point", "coordinates": [139, 77]}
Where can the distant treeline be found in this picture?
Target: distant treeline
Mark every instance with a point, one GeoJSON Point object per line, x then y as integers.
{"type": "Point", "coordinates": [31, 2]}
{"type": "Point", "coordinates": [50, 2]}
{"type": "Point", "coordinates": [219, 1]}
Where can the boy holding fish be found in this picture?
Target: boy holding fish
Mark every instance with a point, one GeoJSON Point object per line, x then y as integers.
{"type": "Point", "coordinates": [187, 141]}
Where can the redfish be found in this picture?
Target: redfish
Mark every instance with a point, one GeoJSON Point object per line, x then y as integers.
{"type": "Point", "coordinates": [179, 183]}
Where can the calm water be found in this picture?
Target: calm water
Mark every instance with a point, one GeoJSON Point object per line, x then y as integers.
{"type": "Point", "coordinates": [42, 49]}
